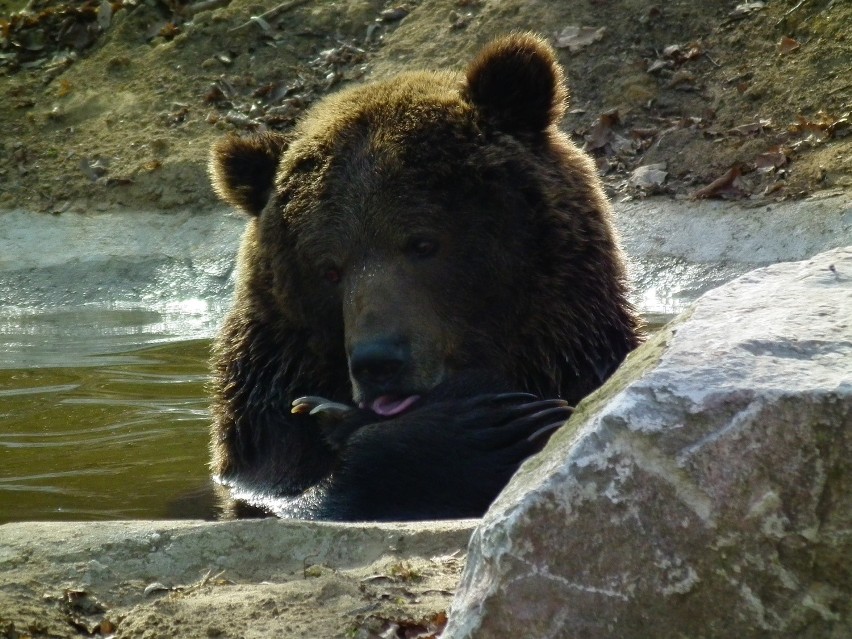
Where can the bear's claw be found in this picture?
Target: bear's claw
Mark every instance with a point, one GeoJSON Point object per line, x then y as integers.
{"type": "Point", "coordinates": [314, 405]}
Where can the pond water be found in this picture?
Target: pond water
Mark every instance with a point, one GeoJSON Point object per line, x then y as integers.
{"type": "Point", "coordinates": [104, 415]}
{"type": "Point", "coordinates": [103, 363]}
{"type": "Point", "coordinates": [105, 325]}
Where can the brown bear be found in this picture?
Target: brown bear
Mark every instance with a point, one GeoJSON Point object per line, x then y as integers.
{"type": "Point", "coordinates": [428, 278]}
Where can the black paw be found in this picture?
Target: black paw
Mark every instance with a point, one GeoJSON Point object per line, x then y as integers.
{"type": "Point", "coordinates": [517, 420]}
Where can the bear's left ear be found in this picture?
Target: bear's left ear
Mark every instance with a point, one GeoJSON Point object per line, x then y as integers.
{"type": "Point", "coordinates": [243, 169]}
{"type": "Point", "coordinates": [518, 84]}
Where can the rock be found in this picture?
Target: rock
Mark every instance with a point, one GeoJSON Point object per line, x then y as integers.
{"type": "Point", "coordinates": [648, 176]}
{"type": "Point", "coordinates": [705, 491]}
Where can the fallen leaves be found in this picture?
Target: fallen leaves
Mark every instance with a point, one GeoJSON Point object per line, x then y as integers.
{"type": "Point", "coordinates": [83, 612]}
{"type": "Point", "coordinates": [277, 104]}
{"type": "Point", "coordinates": [822, 125]}
{"type": "Point", "coordinates": [763, 153]}
{"type": "Point", "coordinates": [429, 627]}
{"type": "Point", "coordinates": [613, 148]}
{"type": "Point", "coordinates": [32, 37]}
{"type": "Point", "coordinates": [674, 56]}
{"type": "Point", "coordinates": [746, 180]}
{"type": "Point", "coordinates": [774, 162]}
{"type": "Point", "coordinates": [46, 34]}
{"type": "Point", "coordinates": [742, 182]}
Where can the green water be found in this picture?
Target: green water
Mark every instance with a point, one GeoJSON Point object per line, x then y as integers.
{"type": "Point", "coordinates": [100, 419]}
{"type": "Point", "coordinates": [119, 436]}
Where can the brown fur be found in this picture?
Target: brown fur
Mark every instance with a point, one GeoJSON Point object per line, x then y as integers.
{"type": "Point", "coordinates": [526, 280]}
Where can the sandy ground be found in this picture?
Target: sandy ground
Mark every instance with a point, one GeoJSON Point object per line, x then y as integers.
{"type": "Point", "coordinates": [256, 578]}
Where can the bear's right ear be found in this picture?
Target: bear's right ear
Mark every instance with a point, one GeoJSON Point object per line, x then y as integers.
{"type": "Point", "coordinates": [517, 84]}
{"type": "Point", "coordinates": [243, 169]}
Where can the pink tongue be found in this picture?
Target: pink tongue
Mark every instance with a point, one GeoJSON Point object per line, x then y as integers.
{"type": "Point", "coordinates": [388, 405]}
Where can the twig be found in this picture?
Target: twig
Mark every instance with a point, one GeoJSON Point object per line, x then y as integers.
{"type": "Point", "coordinates": [284, 6]}
{"type": "Point", "coordinates": [205, 5]}
{"type": "Point", "coordinates": [796, 8]}
{"type": "Point", "coordinates": [844, 87]}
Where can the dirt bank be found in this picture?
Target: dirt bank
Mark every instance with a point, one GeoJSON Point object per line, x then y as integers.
{"type": "Point", "coordinates": [114, 104]}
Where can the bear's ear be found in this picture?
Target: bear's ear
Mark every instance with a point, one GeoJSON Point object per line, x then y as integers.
{"type": "Point", "coordinates": [243, 169]}
{"type": "Point", "coordinates": [518, 84]}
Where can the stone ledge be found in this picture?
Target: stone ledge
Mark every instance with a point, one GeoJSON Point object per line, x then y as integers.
{"type": "Point", "coordinates": [251, 578]}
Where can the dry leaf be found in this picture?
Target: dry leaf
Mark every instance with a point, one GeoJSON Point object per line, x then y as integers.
{"type": "Point", "coordinates": [787, 45]}
{"type": "Point", "coordinates": [751, 128]}
{"type": "Point", "coordinates": [745, 8]}
{"type": "Point", "coordinates": [671, 51]}
{"type": "Point", "coordinates": [601, 133]}
{"type": "Point", "coordinates": [773, 159]}
{"type": "Point", "coordinates": [681, 53]}
{"type": "Point", "coordinates": [574, 38]}
{"type": "Point", "coordinates": [725, 186]}
{"type": "Point", "coordinates": [657, 65]}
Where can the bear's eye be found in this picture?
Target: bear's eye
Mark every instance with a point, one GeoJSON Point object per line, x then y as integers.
{"type": "Point", "coordinates": [331, 275]}
{"type": "Point", "coordinates": [422, 247]}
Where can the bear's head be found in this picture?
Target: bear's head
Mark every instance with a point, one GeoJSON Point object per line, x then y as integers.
{"type": "Point", "coordinates": [416, 228]}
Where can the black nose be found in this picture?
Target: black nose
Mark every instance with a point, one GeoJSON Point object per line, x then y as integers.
{"type": "Point", "coordinates": [378, 362]}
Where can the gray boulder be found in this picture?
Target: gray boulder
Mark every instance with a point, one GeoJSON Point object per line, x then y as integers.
{"type": "Point", "coordinates": [705, 491]}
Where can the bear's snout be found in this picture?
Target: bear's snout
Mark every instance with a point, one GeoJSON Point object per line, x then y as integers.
{"type": "Point", "coordinates": [378, 365]}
